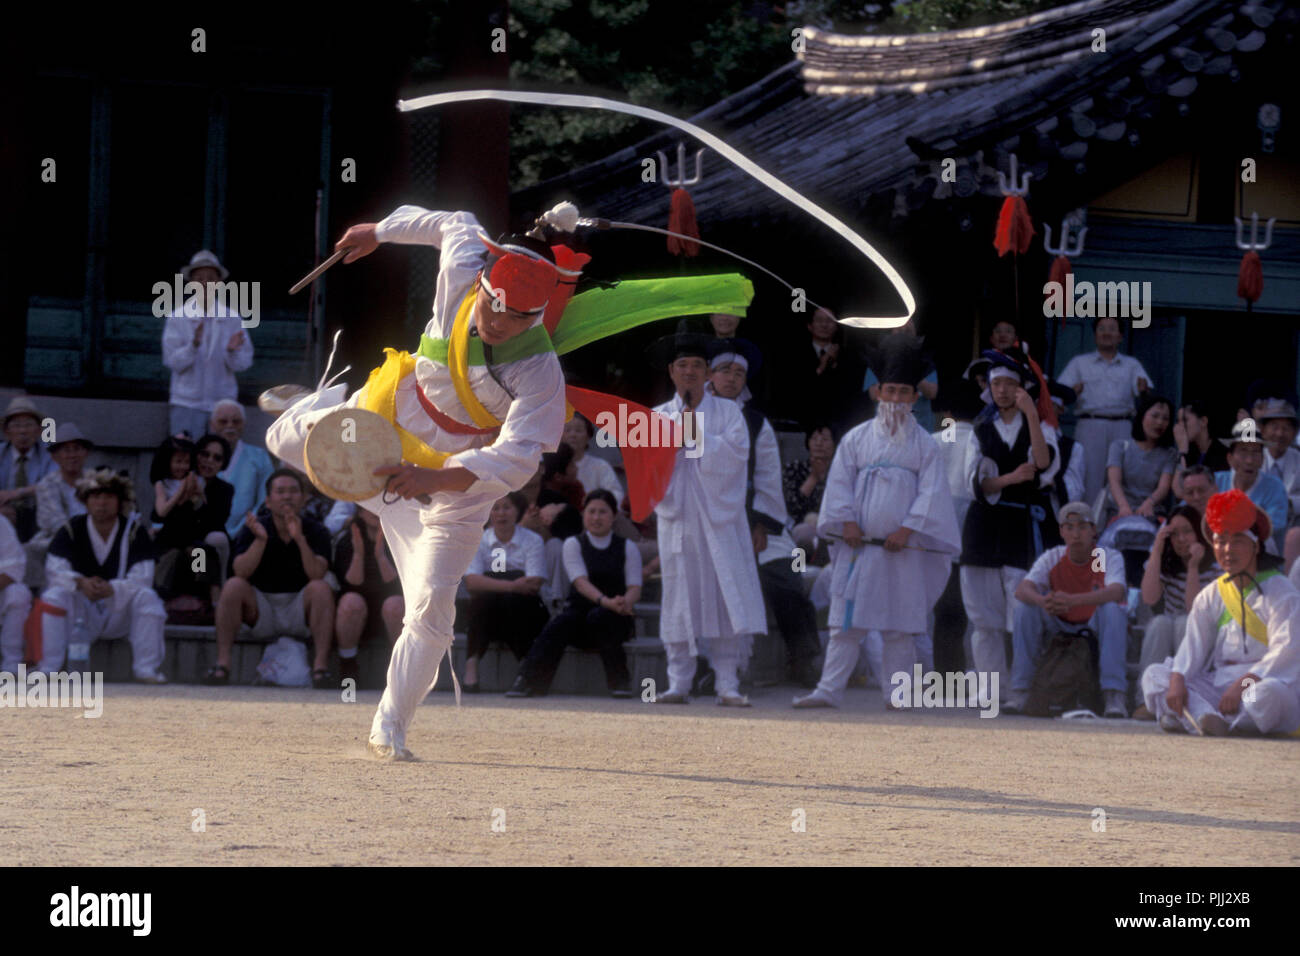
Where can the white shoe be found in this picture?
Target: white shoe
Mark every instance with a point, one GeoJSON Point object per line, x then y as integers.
{"type": "Point", "coordinates": [809, 701]}
{"type": "Point", "coordinates": [733, 700]}
{"type": "Point", "coordinates": [671, 697]}
{"type": "Point", "coordinates": [380, 751]}
{"type": "Point", "coordinates": [1170, 724]}
{"type": "Point", "coordinates": [1116, 706]}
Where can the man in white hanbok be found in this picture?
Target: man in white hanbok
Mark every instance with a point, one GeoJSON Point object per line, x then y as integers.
{"type": "Point", "coordinates": [888, 503]}
{"type": "Point", "coordinates": [711, 598]}
{"type": "Point", "coordinates": [1238, 668]}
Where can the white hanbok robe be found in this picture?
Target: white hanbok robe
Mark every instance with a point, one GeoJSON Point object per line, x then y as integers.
{"type": "Point", "coordinates": [710, 577]}
{"type": "Point", "coordinates": [882, 485]}
{"type": "Point", "coordinates": [1214, 656]}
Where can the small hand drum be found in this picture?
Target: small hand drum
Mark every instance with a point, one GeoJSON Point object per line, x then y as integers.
{"type": "Point", "coordinates": [345, 447]}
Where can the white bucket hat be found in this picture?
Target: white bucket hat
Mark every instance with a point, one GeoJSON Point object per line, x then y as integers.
{"type": "Point", "coordinates": [204, 258]}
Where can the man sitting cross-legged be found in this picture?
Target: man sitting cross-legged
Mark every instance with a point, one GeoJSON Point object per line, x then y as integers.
{"type": "Point", "coordinates": [278, 582]}
{"type": "Point", "coordinates": [1070, 589]}
{"type": "Point", "coordinates": [1238, 666]}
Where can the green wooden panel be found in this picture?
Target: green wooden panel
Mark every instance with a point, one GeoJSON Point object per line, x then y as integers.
{"type": "Point", "coordinates": [49, 326]}
{"type": "Point", "coordinates": [57, 367]}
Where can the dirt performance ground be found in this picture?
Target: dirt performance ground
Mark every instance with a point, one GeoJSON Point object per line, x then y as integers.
{"type": "Point", "coordinates": [248, 776]}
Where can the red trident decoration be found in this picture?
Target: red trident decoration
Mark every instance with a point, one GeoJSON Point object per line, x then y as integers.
{"type": "Point", "coordinates": [1015, 228]}
{"type": "Point", "coordinates": [681, 215]}
{"type": "Point", "coordinates": [1061, 264]}
{"type": "Point", "coordinates": [1250, 277]}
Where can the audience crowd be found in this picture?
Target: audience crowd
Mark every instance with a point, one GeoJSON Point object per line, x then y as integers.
{"type": "Point", "coordinates": [1023, 535]}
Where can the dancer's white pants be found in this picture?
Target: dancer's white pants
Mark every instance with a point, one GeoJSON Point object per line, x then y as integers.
{"type": "Point", "coordinates": [1274, 709]}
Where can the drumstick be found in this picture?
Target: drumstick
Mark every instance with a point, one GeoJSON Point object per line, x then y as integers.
{"type": "Point", "coordinates": [1192, 720]}
{"type": "Point", "coordinates": [311, 277]}
{"type": "Point", "coordinates": [879, 542]}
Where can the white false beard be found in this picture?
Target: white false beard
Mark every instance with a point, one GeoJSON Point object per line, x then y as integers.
{"type": "Point", "coordinates": [893, 416]}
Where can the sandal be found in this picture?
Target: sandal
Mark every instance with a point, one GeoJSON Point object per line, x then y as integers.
{"type": "Point", "coordinates": [217, 674]}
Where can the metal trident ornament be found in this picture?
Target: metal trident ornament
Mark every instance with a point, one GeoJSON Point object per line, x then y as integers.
{"type": "Point", "coordinates": [1254, 231]}
{"type": "Point", "coordinates": [1064, 249]}
{"type": "Point", "coordinates": [1010, 189]}
{"type": "Point", "coordinates": [681, 167]}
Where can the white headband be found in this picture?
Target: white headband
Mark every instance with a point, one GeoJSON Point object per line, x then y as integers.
{"type": "Point", "coordinates": [1001, 371]}
{"type": "Point", "coordinates": [729, 358]}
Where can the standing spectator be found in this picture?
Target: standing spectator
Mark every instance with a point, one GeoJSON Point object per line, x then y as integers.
{"type": "Point", "coordinates": [711, 596]}
{"type": "Point", "coordinates": [1011, 462]}
{"type": "Point", "coordinates": [192, 511]}
{"type": "Point", "coordinates": [203, 352]}
{"type": "Point", "coordinates": [24, 461]}
{"type": "Point", "coordinates": [1180, 565]}
{"type": "Point", "coordinates": [1106, 383]}
{"type": "Point", "coordinates": [504, 581]}
{"type": "Point", "coordinates": [370, 589]}
{"type": "Point", "coordinates": [278, 586]}
{"type": "Point", "coordinates": [1066, 592]}
{"type": "Point", "coordinates": [887, 499]}
{"type": "Point", "coordinates": [1198, 485]}
{"type": "Point", "coordinates": [15, 598]}
{"type": "Point", "coordinates": [247, 470]}
{"type": "Point", "coordinates": [804, 483]}
{"type": "Point", "coordinates": [730, 362]}
{"type": "Point", "coordinates": [606, 573]}
{"type": "Point", "coordinates": [1245, 461]}
{"type": "Point", "coordinates": [100, 575]}
{"type": "Point", "coordinates": [1241, 633]}
{"type": "Point", "coordinates": [926, 389]}
{"type": "Point", "coordinates": [1140, 469]}
{"type": "Point", "coordinates": [820, 379]}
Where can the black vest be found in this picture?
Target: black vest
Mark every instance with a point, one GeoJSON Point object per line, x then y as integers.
{"type": "Point", "coordinates": [605, 569]}
{"type": "Point", "coordinates": [1021, 526]}
{"type": "Point", "coordinates": [72, 542]}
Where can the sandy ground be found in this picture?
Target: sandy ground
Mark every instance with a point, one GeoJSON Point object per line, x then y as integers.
{"type": "Point", "coordinates": [281, 777]}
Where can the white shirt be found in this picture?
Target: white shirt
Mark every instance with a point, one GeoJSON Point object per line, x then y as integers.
{"type": "Point", "coordinates": [525, 551]}
{"type": "Point", "coordinates": [204, 375]}
{"type": "Point", "coordinates": [576, 568]}
{"type": "Point", "coordinates": [532, 422]}
{"type": "Point", "coordinates": [1109, 387]}
{"type": "Point", "coordinates": [596, 473]}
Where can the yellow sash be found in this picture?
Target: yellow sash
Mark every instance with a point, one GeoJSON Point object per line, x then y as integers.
{"type": "Point", "coordinates": [1233, 602]}
{"type": "Point", "coordinates": [381, 398]}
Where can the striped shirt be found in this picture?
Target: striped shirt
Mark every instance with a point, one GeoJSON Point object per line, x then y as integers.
{"type": "Point", "coordinates": [1175, 587]}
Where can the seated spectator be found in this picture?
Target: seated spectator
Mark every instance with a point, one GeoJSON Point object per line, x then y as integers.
{"type": "Point", "coordinates": [1140, 469]}
{"type": "Point", "coordinates": [56, 496]}
{"type": "Point", "coordinates": [591, 471]}
{"type": "Point", "coordinates": [192, 511]}
{"type": "Point", "coordinates": [1198, 485]}
{"type": "Point", "coordinates": [822, 378]}
{"type": "Point", "coordinates": [248, 467]}
{"type": "Point", "coordinates": [278, 584]}
{"type": "Point", "coordinates": [24, 461]}
{"type": "Point", "coordinates": [504, 580]}
{"type": "Point", "coordinates": [1241, 633]}
{"type": "Point", "coordinates": [804, 483]}
{"type": "Point", "coordinates": [56, 493]}
{"type": "Point", "coordinates": [1245, 464]}
{"type": "Point", "coordinates": [606, 574]}
{"type": "Point", "coordinates": [1180, 565]}
{"type": "Point", "coordinates": [15, 598]}
{"type": "Point", "coordinates": [100, 574]}
{"type": "Point", "coordinates": [1277, 422]}
{"type": "Point", "coordinates": [1193, 441]}
{"type": "Point", "coordinates": [560, 478]}
{"type": "Point", "coordinates": [370, 589]}
{"type": "Point", "coordinates": [1064, 593]}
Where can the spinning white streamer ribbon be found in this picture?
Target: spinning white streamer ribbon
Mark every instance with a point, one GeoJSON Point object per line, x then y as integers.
{"type": "Point", "coordinates": [747, 165]}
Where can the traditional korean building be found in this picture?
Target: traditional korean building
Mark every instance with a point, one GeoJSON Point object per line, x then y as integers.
{"type": "Point", "coordinates": [1153, 123]}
